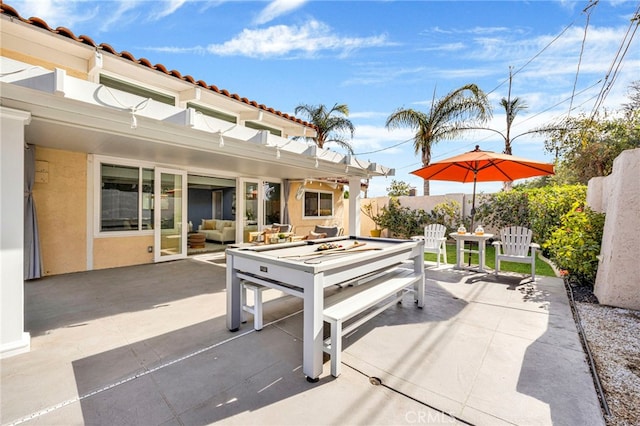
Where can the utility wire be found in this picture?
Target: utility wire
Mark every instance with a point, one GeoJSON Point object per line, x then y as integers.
{"type": "Point", "coordinates": [386, 148]}
{"type": "Point", "coordinates": [588, 9]}
{"type": "Point", "coordinates": [493, 90]}
{"type": "Point", "coordinates": [534, 57]}
{"type": "Point", "coordinates": [622, 51]}
{"type": "Point", "coordinates": [603, 93]}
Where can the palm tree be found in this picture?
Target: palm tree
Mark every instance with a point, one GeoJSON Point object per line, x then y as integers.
{"type": "Point", "coordinates": [511, 107]}
{"type": "Point", "coordinates": [446, 119]}
{"type": "Point", "coordinates": [331, 124]}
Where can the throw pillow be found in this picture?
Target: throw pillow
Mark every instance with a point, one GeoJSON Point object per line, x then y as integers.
{"type": "Point", "coordinates": [331, 231]}
{"type": "Point", "coordinates": [209, 224]}
{"type": "Point", "coordinates": [316, 235]}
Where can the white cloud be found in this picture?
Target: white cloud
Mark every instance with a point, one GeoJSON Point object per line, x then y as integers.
{"type": "Point", "coordinates": [277, 8]}
{"type": "Point", "coordinates": [281, 40]}
{"type": "Point", "coordinates": [120, 15]}
{"type": "Point", "coordinates": [368, 115]}
{"type": "Point", "coordinates": [377, 73]}
{"type": "Point", "coordinates": [474, 30]}
{"type": "Point", "coordinates": [55, 12]}
{"type": "Point", "coordinates": [444, 47]}
{"type": "Point", "coordinates": [369, 138]}
{"type": "Point", "coordinates": [169, 6]}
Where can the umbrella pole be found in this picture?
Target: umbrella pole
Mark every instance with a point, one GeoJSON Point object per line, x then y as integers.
{"type": "Point", "coordinates": [473, 211]}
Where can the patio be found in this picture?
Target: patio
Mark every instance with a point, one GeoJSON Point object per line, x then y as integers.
{"type": "Point", "coordinates": [149, 345]}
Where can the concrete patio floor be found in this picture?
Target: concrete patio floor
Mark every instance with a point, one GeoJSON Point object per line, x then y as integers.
{"type": "Point", "coordinates": [148, 345]}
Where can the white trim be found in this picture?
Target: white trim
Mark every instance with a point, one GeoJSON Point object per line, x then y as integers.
{"type": "Point", "coordinates": [157, 214]}
{"type": "Point", "coordinates": [96, 184]}
{"type": "Point", "coordinates": [21, 346]}
{"type": "Point", "coordinates": [15, 114]}
{"type": "Point", "coordinates": [90, 211]}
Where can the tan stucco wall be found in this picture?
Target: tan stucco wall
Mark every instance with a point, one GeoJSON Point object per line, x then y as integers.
{"type": "Point", "coordinates": [303, 226]}
{"type": "Point", "coordinates": [121, 251]}
{"type": "Point", "coordinates": [61, 205]}
{"type": "Point", "coordinates": [618, 196]}
{"type": "Point", "coordinates": [61, 209]}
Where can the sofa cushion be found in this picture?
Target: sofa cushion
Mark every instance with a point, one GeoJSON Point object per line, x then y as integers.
{"type": "Point", "coordinates": [330, 231]}
{"type": "Point", "coordinates": [208, 224]}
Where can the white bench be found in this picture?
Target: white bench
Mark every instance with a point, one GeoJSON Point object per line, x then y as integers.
{"type": "Point", "coordinates": [253, 284]}
{"type": "Point", "coordinates": [389, 287]}
{"type": "Point", "coordinates": [256, 308]}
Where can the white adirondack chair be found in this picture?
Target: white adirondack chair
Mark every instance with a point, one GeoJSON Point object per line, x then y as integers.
{"type": "Point", "coordinates": [435, 241]}
{"type": "Point", "coordinates": [515, 246]}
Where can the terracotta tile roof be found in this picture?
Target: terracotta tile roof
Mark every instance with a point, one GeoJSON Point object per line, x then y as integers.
{"type": "Point", "coordinates": [65, 32]}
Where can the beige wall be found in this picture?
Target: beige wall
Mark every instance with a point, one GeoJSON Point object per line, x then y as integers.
{"type": "Point", "coordinates": [303, 226]}
{"type": "Point", "coordinates": [61, 200]}
{"type": "Point", "coordinates": [61, 203]}
{"type": "Point", "coordinates": [121, 251]}
{"type": "Point", "coordinates": [618, 196]}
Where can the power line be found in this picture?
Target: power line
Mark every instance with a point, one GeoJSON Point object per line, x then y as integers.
{"type": "Point", "coordinates": [604, 91]}
{"type": "Point", "coordinates": [534, 57]}
{"type": "Point", "coordinates": [588, 9]}
{"type": "Point", "coordinates": [494, 89]}
{"type": "Point", "coordinates": [384, 149]}
{"type": "Point", "coordinates": [621, 53]}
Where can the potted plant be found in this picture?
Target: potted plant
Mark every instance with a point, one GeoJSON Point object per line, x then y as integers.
{"type": "Point", "coordinates": [281, 237]}
{"type": "Point", "coordinates": [374, 213]}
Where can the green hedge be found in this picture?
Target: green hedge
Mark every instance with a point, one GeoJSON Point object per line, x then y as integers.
{"type": "Point", "coordinates": [404, 222]}
{"type": "Point", "coordinates": [539, 209]}
{"type": "Point", "coordinates": [574, 246]}
{"type": "Point", "coordinates": [569, 233]}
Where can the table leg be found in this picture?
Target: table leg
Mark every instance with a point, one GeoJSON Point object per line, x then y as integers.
{"type": "Point", "coordinates": [418, 266]}
{"type": "Point", "coordinates": [313, 337]}
{"type": "Point", "coordinates": [234, 303]}
{"type": "Point", "coordinates": [459, 252]}
{"type": "Point", "coordinates": [481, 255]}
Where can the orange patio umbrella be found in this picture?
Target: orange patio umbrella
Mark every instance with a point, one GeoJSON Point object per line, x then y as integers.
{"type": "Point", "coordinates": [483, 166]}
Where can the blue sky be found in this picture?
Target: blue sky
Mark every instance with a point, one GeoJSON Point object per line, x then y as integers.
{"type": "Point", "coordinates": [379, 56]}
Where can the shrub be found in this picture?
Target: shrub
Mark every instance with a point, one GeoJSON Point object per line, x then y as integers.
{"type": "Point", "coordinates": [403, 222]}
{"type": "Point", "coordinates": [575, 245]}
{"type": "Point", "coordinates": [539, 209]}
{"type": "Point", "coordinates": [446, 213]}
{"type": "Point", "coordinates": [504, 209]}
{"type": "Point", "coordinates": [548, 205]}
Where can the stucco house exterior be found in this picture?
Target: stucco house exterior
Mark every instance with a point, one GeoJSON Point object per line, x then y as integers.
{"type": "Point", "coordinates": [120, 158]}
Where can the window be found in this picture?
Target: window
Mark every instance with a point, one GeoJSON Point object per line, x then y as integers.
{"type": "Point", "coordinates": [114, 83]}
{"type": "Point", "coordinates": [256, 126]}
{"type": "Point", "coordinates": [271, 203]}
{"type": "Point", "coordinates": [126, 199]}
{"type": "Point", "coordinates": [318, 204]}
{"type": "Point", "coordinates": [212, 113]}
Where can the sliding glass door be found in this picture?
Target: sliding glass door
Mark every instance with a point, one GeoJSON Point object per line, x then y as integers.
{"type": "Point", "coordinates": [170, 214]}
{"type": "Point", "coordinates": [261, 205]}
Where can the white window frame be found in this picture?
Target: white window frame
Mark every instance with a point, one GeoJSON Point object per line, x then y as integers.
{"type": "Point", "coordinates": [98, 161]}
{"type": "Point", "coordinates": [316, 191]}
